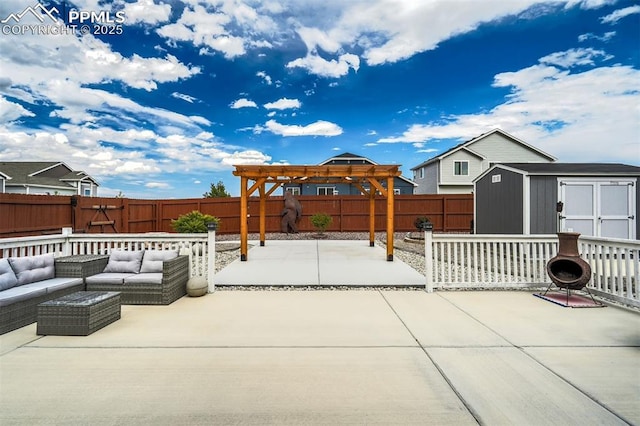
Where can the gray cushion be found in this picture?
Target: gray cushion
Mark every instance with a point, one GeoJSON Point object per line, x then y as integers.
{"type": "Point", "coordinates": [122, 261]}
{"type": "Point", "coordinates": [153, 259]}
{"type": "Point", "coordinates": [55, 284]}
{"type": "Point", "coordinates": [147, 278]}
{"type": "Point", "coordinates": [107, 278]}
{"type": "Point", "coordinates": [19, 294]}
{"type": "Point", "coordinates": [30, 269]}
{"type": "Point", "coordinates": [8, 278]}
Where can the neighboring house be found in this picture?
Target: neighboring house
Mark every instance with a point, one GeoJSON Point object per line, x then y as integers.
{"type": "Point", "coordinates": [453, 171]}
{"type": "Point", "coordinates": [597, 199]}
{"type": "Point", "coordinates": [401, 184]}
{"type": "Point", "coordinates": [45, 178]}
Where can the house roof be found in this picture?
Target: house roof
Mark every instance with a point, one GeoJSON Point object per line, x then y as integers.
{"type": "Point", "coordinates": [465, 146]}
{"type": "Point", "coordinates": [35, 173]}
{"type": "Point", "coordinates": [350, 156]}
{"type": "Point", "coordinates": [568, 169]}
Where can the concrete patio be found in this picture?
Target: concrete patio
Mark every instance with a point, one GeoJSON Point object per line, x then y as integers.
{"type": "Point", "coordinates": [332, 357]}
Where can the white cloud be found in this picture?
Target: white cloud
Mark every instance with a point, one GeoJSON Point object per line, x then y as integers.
{"type": "Point", "coordinates": [318, 128]}
{"type": "Point", "coordinates": [147, 12]}
{"type": "Point", "coordinates": [243, 103]}
{"type": "Point", "coordinates": [315, 64]}
{"type": "Point", "coordinates": [573, 57]}
{"type": "Point", "coordinates": [619, 14]}
{"type": "Point", "coordinates": [203, 28]}
{"type": "Point", "coordinates": [184, 97]}
{"type": "Point", "coordinates": [570, 115]}
{"type": "Point", "coordinates": [10, 111]}
{"type": "Point", "coordinates": [283, 103]}
{"type": "Point", "coordinates": [590, 36]}
{"type": "Point", "coordinates": [245, 157]}
{"type": "Point", "coordinates": [157, 185]}
{"type": "Point", "coordinates": [265, 77]}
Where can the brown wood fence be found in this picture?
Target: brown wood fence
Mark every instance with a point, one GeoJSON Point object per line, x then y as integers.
{"type": "Point", "coordinates": [22, 215]}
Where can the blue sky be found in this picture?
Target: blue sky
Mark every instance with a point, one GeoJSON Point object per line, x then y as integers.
{"type": "Point", "coordinates": [186, 89]}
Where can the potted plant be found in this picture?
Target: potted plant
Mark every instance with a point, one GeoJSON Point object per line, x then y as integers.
{"type": "Point", "coordinates": [321, 222]}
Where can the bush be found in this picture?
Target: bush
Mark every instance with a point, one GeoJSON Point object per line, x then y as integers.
{"type": "Point", "coordinates": [193, 222]}
{"type": "Point", "coordinates": [321, 221]}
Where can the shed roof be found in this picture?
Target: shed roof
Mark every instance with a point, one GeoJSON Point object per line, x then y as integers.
{"type": "Point", "coordinates": [567, 169]}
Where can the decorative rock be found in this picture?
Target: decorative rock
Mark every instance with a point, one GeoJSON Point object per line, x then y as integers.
{"type": "Point", "coordinates": [197, 286]}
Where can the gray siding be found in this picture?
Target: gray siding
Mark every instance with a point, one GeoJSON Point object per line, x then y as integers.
{"type": "Point", "coordinates": [499, 205]}
{"type": "Point", "coordinates": [543, 198]}
{"type": "Point", "coordinates": [428, 184]}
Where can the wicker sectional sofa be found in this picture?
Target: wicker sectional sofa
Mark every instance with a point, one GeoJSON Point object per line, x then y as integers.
{"type": "Point", "coordinates": [143, 277]}
{"type": "Point", "coordinates": [26, 282]}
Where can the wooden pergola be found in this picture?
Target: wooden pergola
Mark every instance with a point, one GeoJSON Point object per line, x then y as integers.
{"type": "Point", "coordinates": [357, 175]}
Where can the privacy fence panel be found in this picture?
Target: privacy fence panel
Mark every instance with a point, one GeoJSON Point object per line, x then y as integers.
{"type": "Point", "coordinates": [23, 215]}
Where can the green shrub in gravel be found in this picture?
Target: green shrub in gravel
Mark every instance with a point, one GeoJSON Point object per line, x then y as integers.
{"type": "Point", "coordinates": [193, 222]}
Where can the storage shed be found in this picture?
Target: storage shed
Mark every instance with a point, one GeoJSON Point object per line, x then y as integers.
{"type": "Point", "coordinates": [597, 199]}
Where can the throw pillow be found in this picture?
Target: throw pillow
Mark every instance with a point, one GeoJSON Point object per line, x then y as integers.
{"type": "Point", "coordinates": [124, 261]}
{"type": "Point", "coordinates": [153, 259]}
{"type": "Point", "coordinates": [31, 269]}
{"type": "Point", "coordinates": [8, 278]}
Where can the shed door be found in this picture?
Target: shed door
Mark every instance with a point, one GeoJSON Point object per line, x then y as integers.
{"type": "Point", "coordinates": [599, 208]}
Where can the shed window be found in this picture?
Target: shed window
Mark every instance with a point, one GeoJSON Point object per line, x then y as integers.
{"type": "Point", "coordinates": [461, 168]}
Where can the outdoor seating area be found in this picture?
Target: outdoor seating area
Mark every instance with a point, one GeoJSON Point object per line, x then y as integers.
{"type": "Point", "coordinates": [139, 276]}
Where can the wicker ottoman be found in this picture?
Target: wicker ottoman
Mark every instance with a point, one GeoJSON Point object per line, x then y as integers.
{"type": "Point", "coordinates": [78, 314]}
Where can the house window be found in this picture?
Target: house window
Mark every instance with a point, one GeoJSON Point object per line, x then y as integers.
{"type": "Point", "coordinates": [327, 190]}
{"type": "Point", "coordinates": [396, 191]}
{"type": "Point", "coordinates": [461, 168]}
{"type": "Point", "coordinates": [294, 190]}
{"type": "Point", "coordinates": [421, 173]}
{"type": "Point", "coordinates": [87, 192]}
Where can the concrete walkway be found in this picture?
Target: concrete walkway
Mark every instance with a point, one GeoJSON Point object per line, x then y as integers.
{"type": "Point", "coordinates": [318, 262]}
{"type": "Point", "coordinates": [332, 357]}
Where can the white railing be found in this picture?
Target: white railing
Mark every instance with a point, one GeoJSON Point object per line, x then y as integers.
{"type": "Point", "coordinates": [461, 260]}
{"type": "Point", "coordinates": [453, 260]}
{"type": "Point", "coordinates": [519, 261]}
{"type": "Point", "coordinates": [66, 244]}
{"type": "Point", "coordinates": [615, 267]}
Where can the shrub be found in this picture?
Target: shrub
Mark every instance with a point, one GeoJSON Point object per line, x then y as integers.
{"type": "Point", "coordinates": [193, 222]}
{"type": "Point", "coordinates": [321, 221]}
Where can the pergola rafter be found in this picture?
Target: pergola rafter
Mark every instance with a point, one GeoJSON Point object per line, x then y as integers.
{"type": "Point", "coordinates": [277, 175]}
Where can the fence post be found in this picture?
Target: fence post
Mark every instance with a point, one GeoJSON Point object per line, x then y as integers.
{"type": "Point", "coordinates": [427, 227]}
{"type": "Point", "coordinates": [211, 254]}
{"type": "Point", "coordinates": [66, 247]}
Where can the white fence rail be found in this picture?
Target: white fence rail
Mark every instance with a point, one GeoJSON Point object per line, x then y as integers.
{"type": "Point", "coordinates": [500, 260]}
{"type": "Point", "coordinates": [452, 261]}
{"type": "Point", "coordinates": [512, 261]}
{"type": "Point", "coordinates": [66, 244]}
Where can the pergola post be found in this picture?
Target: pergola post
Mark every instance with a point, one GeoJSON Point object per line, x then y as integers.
{"type": "Point", "coordinates": [263, 214]}
{"type": "Point", "coordinates": [390, 219]}
{"type": "Point", "coordinates": [372, 216]}
{"type": "Point", "coordinates": [243, 219]}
